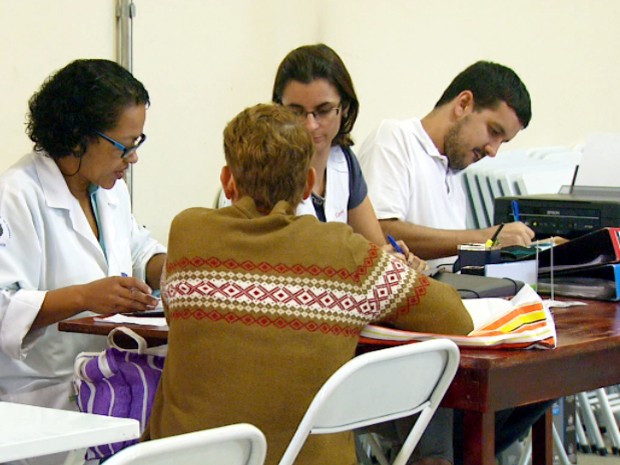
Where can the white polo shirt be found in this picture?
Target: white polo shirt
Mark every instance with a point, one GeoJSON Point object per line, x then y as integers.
{"type": "Point", "coordinates": [408, 179]}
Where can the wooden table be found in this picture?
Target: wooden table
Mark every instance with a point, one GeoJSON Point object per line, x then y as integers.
{"type": "Point", "coordinates": [31, 431]}
{"type": "Point", "coordinates": [155, 335]}
{"type": "Point", "coordinates": [587, 357]}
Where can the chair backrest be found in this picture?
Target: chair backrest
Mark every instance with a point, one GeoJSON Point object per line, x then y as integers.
{"type": "Point", "coordinates": [239, 444]}
{"type": "Point", "coordinates": [379, 386]}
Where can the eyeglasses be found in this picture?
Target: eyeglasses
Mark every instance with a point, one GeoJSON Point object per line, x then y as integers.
{"type": "Point", "coordinates": [125, 151]}
{"type": "Point", "coordinates": [320, 114]}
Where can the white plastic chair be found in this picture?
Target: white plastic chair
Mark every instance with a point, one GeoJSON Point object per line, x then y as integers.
{"type": "Point", "coordinates": [239, 444]}
{"type": "Point", "coordinates": [379, 386]}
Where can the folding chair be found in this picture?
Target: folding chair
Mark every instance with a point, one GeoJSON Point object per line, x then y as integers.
{"type": "Point", "coordinates": [588, 420]}
{"type": "Point", "coordinates": [606, 419]}
{"type": "Point", "coordinates": [600, 402]}
{"type": "Point", "coordinates": [583, 444]}
{"type": "Point", "coordinates": [562, 456]}
{"type": "Point", "coordinates": [379, 386]}
{"type": "Point", "coordinates": [239, 444]}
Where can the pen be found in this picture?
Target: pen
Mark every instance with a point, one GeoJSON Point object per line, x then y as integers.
{"type": "Point", "coordinates": [493, 241]}
{"type": "Point", "coordinates": [395, 245]}
{"type": "Point", "coordinates": [515, 210]}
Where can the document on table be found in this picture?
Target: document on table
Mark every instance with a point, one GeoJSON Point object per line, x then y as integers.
{"type": "Point", "coordinates": [135, 320]}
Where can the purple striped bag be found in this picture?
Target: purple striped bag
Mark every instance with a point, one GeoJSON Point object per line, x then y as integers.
{"type": "Point", "coordinates": [118, 382]}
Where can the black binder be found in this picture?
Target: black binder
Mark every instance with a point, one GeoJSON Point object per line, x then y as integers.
{"type": "Point", "coordinates": [600, 247]}
{"type": "Point", "coordinates": [600, 282]}
{"type": "Point", "coordinates": [471, 286]}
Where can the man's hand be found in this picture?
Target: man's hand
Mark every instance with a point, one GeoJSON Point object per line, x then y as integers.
{"type": "Point", "coordinates": [516, 233]}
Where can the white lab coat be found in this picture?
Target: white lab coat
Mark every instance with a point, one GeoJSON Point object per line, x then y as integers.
{"type": "Point", "coordinates": [46, 243]}
{"type": "Point", "coordinates": [336, 191]}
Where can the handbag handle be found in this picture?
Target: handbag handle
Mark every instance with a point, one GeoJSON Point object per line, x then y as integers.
{"type": "Point", "coordinates": [141, 343]}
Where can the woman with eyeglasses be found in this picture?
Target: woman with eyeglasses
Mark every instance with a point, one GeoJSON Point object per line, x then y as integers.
{"type": "Point", "coordinates": [68, 240]}
{"type": "Point", "coordinates": [314, 83]}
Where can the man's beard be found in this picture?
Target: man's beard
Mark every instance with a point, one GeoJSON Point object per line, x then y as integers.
{"type": "Point", "coordinates": [457, 153]}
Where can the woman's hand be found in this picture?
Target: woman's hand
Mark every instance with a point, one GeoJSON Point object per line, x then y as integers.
{"type": "Point", "coordinates": [410, 259]}
{"type": "Point", "coordinates": [417, 263]}
{"type": "Point", "coordinates": [118, 294]}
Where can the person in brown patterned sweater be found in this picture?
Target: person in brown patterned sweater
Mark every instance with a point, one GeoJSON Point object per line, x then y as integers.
{"type": "Point", "coordinates": [263, 305]}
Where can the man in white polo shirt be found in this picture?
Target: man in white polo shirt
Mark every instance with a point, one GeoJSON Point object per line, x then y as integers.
{"type": "Point", "coordinates": [410, 166]}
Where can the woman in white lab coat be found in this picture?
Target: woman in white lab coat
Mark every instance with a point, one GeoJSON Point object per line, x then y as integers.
{"type": "Point", "coordinates": [69, 244]}
{"type": "Point", "coordinates": [313, 81]}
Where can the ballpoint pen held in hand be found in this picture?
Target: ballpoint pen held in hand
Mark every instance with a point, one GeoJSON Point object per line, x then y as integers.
{"type": "Point", "coordinates": [493, 241]}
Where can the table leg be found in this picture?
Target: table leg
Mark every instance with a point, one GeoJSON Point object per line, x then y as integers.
{"type": "Point", "coordinates": [542, 440]}
{"type": "Point", "coordinates": [478, 438]}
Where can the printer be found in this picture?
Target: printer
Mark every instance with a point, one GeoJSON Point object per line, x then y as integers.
{"type": "Point", "coordinates": [575, 211]}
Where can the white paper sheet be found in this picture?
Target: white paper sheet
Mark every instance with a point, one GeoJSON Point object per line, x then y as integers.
{"type": "Point", "coordinates": [135, 320]}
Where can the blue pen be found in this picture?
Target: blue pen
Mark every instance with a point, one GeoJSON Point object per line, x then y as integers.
{"type": "Point", "coordinates": [395, 245]}
{"type": "Point", "coordinates": [515, 210]}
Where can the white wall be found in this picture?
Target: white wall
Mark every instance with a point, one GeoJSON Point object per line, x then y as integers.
{"type": "Point", "coordinates": [38, 37]}
{"type": "Point", "coordinates": [205, 60]}
{"type": "Point", "coordinates": [203, 63]}
{"type": "Point", "coordinates": [402, 55]}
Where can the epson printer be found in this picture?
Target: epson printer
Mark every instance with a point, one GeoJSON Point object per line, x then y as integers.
{"type": "Point", "coordinates": [575, 211]}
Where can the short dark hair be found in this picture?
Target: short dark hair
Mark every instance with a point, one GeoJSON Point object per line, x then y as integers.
{"type": "Point", "coordinates": [268, 151]}
{"type": "Point", "coordinates": [310, 62]}
{"type": "Point", "coordinates": [491, 83]}
{"type": "Point", "coordinates": [86, 96]}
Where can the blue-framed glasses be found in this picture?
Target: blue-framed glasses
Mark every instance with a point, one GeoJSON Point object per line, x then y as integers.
{"type": "Point", "coordinates": [125, 151]}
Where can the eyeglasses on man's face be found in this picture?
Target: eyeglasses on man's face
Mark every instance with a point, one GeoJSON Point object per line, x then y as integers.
{"type": "Point", "coordinates": [125, 151]}
{"type": "Point", "coordinates": [319, 114]}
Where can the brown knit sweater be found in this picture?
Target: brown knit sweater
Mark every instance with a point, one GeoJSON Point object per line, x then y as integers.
{"type": "Point", "coordinates": [263, 309]}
